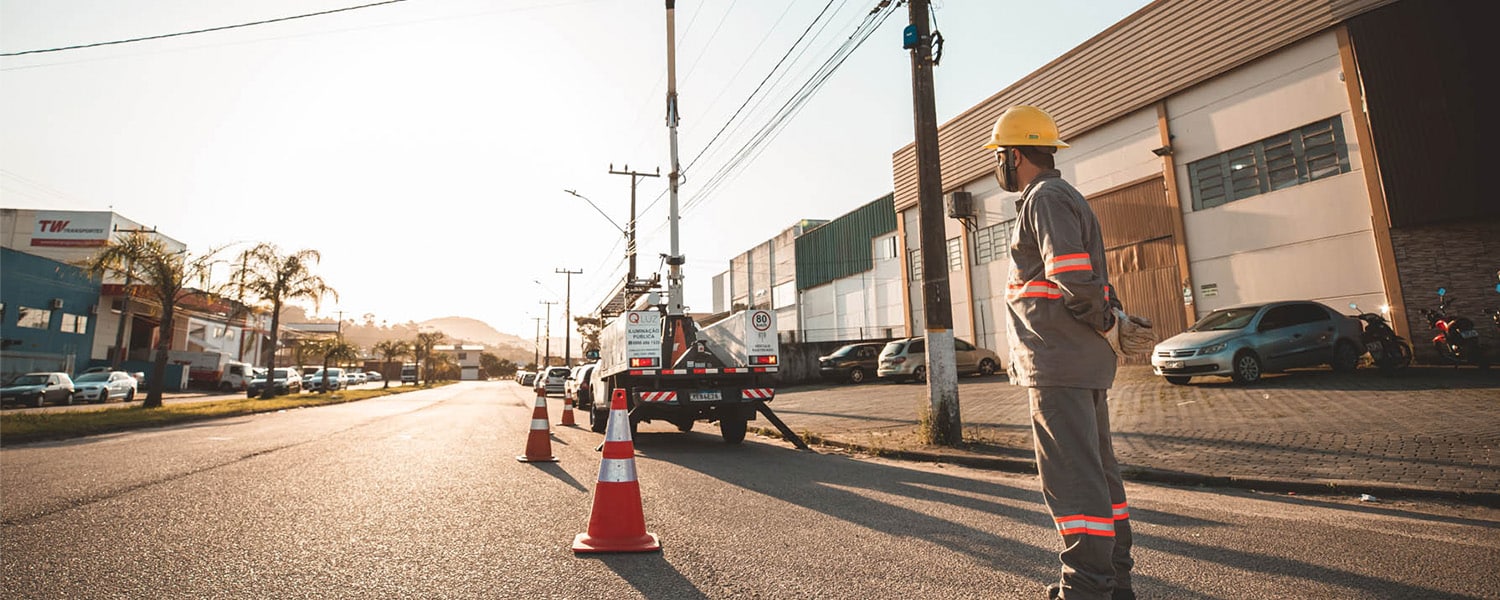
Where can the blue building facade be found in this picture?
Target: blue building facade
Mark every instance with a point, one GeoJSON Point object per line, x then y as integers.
{"type": "Point", "coordinates": [47, 314]}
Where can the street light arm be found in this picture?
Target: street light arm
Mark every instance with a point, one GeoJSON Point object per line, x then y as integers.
{"type": "Point", "coordinates": [601, 211]}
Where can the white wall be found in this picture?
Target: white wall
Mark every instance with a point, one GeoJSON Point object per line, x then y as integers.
{"type": "Point", "coordinates": [1310, 241]}
{"type": "Point", "coordinates": [861, 306]}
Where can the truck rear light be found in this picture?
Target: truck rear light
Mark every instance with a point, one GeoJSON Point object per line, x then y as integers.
{"type": "Point", "coordinates": [642, 362]}
{"type": "Point", "coordinates": [763, 360]}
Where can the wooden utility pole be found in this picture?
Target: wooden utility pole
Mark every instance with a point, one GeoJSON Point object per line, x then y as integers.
{"type": "Point", "coordinates": [630, 225]}
{"type": "Point", "coordinates": [548, 355]}
{"type": "Point", "coordinates": [944, 423]}
{"type": "Point", "coordinates": [568, 317]}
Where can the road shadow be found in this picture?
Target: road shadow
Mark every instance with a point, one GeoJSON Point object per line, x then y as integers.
{"type": "Point", "coordinates": [651, 574]}
{"type": "Point", "coordinates": [557, 472]}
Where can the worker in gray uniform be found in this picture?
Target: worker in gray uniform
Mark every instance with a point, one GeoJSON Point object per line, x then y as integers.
{"type": "Point", "coordinates": [1060, 308]}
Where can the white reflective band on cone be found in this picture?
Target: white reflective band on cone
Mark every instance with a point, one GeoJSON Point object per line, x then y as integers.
{"type": "Point", "coordinates": [619, 426]}
{"type": "Point", "coordinates": [541, 401]}
{"type": "Point", "coordinates": [617, 470]}
{"type": "Point", "coordinates": [537, 424]}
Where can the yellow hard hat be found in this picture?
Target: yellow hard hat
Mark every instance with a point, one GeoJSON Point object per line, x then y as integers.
{"type": "Point", "coordinates": [1025, 126]}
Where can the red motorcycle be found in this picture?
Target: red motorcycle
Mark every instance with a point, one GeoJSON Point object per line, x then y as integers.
{"type": "Point", "coordinates": [1457, 341]}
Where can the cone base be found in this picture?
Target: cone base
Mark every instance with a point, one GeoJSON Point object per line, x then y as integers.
{"type": "Point", "coordinates": [583, 544]}
{"type": "Point", "coordinates": [524, 458]}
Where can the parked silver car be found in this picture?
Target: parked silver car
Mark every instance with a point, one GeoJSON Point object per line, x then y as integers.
{"type": "Point", "coordinates": [1242, 342]}
{"type": "Point", "coordinates": [103, 386]}
{"type": "Point", "coordinates": [906, 360]}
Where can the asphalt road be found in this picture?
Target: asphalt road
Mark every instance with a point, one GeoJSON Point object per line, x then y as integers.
{"type": "Point", "coordinates": [419, 495]}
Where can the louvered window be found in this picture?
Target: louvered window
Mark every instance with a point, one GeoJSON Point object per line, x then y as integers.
{"type": "Point", "coordinates": [992, 243]}
{"type": "Point", "coordinates": [1290, 158]}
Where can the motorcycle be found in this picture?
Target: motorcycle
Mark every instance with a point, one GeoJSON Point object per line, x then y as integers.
{"type": "Point", "coordinates": [1389, 352]}
{"type": "Point", "coordinates": [1457, 340]}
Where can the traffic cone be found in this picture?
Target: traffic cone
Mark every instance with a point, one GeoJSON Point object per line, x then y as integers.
{"type": "Point", "coordinates": [568, 412]}
{"type": "Point", "coordinates": [539, 442]}
{"type": "Point", "coordinates": [617, 523]}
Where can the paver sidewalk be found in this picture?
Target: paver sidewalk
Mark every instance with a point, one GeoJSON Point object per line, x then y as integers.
{"type": "Point", "coordinates": [1430, 431]}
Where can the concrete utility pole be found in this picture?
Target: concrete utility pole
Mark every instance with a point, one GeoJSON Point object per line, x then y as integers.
{"type": "Point", "coordinates": [630, 225]}
{"type": "Point", "coordinates": [568, 317]}
{"type": "Point", "coordinates": [536, 347]}
{"type": "Point", "coordinates": [548, 355]}
{"type": "Point", "coordinates": [945, 425]}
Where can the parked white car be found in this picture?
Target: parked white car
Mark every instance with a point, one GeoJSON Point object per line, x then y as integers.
{"type": "Point", "coordinates": [103, 386]}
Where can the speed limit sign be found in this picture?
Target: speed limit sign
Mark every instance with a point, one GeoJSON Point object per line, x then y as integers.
{"type": "Point", "coordinates": [761, 320]}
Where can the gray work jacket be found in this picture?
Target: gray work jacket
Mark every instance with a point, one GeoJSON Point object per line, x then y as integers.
{"type": "Point", "coordinates": [1057, 299]}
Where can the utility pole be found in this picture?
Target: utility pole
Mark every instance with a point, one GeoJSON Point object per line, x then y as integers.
{"type": "Point", "coordinates": [121, 352]}
{"type": "Point", "coordinates": [536, 347]}
{"type": "Point", "coordinates": [548, 355]}
{"type": "Point", "coordinates": [630, 225]}
{"type": "Point", "coordinates": [945, 425]}
{"type": "Point", "coordinates": [568, 317]}
{"type": "Point", "coordinates": [675, 258]}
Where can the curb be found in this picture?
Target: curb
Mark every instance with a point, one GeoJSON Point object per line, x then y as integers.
{"type": "Point", "coordinates": [1179, 478]}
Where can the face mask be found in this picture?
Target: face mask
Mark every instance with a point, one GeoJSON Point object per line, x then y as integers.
{"type": "Point", "coordinates": [1005, 171]}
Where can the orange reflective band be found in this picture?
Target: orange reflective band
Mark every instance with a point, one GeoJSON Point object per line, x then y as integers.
{"type": "Point", "coordinates": [1086, 525]}
{"type": "Point", "coordinates": [1034, 289]}
{"type": "Point", "coordinates": [1069, 262]}
{"type": "Point", "coordinates": [1121, 510]}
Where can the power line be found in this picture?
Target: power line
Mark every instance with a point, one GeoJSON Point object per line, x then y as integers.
{"type": "Point", "coordinates": [197, 31]}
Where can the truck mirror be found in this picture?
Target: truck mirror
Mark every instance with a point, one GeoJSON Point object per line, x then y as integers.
{"type": "Point", "coordinates": [594, 354]}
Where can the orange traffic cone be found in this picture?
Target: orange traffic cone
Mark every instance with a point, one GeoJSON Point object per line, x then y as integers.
{"type": "Point", "coordinates": [568, 412]}
{"type": "Point", "coordinates": [539, 442]}
{"type": "Point", "coordinates": [617, 523]}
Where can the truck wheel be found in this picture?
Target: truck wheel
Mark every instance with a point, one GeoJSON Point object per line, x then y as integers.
{"type": "Point", "coordinates": [684, 426]}
{"type": "Point", "coordinates": [598, 419]}
{"type": "Point", "coordinates": [733, 429]}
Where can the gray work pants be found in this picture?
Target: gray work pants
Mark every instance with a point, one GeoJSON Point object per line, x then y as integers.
{"type": "Point", "coordinates": [1081, 485]}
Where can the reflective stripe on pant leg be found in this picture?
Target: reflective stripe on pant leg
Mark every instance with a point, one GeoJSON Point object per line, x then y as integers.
{"type": "Point", "coordinates": [1120, 507]}
{"type": "Point", "coordinates": [1065, 433]}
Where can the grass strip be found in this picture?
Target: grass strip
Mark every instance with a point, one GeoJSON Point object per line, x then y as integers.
{"type": "Point", "coordinates": [38, 426]}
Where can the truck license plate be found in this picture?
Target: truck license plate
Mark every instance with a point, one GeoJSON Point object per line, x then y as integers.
{"type": "Point", "coordinates": [708, 396]}
{"type": "Point", "coordinates": [1469, 333]}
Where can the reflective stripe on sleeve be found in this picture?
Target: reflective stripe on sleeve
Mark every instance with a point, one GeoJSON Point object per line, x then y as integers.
{"type": "Point", "coordinates": [1069, 262]}
{"type": "Point", "coordinates": [1033, 289]}
{"type": "Point", "coordinates": [1086, 525]}
{"type": "Point", "coordinates": [1121, 510]}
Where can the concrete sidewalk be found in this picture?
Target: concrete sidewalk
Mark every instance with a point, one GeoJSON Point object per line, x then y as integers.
{"type": "Point", "coordinates": [1428, 432]}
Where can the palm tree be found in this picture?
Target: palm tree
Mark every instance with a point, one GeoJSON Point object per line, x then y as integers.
{"type": "Point", "coordinates": [390, 349]}
{"type": "Point", "coordinates": [334, 352]}
{"type": "Point", "coordinates": [145, 258]}
{"type": "Point", "coordinates": [269, 276]}
{"type": "Point", "coordinates": [422, 350]}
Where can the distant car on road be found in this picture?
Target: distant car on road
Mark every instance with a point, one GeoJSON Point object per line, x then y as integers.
{"type": "Point", "coordinates": [286, 381]}
{"type": "Point", "coordinates": [374, 376]}
{"type": "Point", "coordinates": [552, 379]}
{"type": "Point", "coordinates": [408, 373]}
{"type": "Point", "coordinates": [577, 387]}
{"type": "Point", "coordinates": [356, 377]}
{"type": "Point", "coordinates": [1245, 341]}
{"type": "Point", "coordinates": [853, 363]}
{"type": "Point", "coordinates": [906, 360]}
{"type": "Point", "coordinates": [103, 386]}
{"type": "Point", "coordinates": [315, 383]}
{"type": "Point", "coordinates": [526, 378]}
{"type": "Point", "coordinates": [34, 389]}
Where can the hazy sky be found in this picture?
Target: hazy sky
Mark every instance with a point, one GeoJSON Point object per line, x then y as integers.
{"type": "Point", "coordinates": [423, 146]}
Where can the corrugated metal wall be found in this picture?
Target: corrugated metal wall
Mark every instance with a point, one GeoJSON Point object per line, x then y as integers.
{"type": "Point", "coordinates": [841, 247]}
{"type": "Point", "coordinates": [1163, 48]}
{"type": "Point", "coordinates": [1141, 251]}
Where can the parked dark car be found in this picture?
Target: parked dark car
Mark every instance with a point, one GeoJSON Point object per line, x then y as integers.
{"type": "Point", "coordinates": [853, 363]}
{"type": "Point", "coordinates": [285, 381]}
{"type": "Point", "coordinates": [1243, 342]}
{"type": "Point", "coordinates": [34, 389]}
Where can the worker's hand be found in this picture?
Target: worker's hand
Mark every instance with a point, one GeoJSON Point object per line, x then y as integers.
{"type": "Point", "coordinates": [1130, 334]}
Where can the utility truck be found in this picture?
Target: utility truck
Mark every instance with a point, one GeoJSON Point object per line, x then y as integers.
{"type": "Point", "coordinates": [213, 369]}
{"type": "Point", "coordinates": [669, 368]}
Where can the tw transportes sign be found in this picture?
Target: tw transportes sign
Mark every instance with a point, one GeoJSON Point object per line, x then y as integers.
{"type": "Point", "coordinates": [71, 229]}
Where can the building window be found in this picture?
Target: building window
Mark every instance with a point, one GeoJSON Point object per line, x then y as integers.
{"type": "Point", "coordinates": [993, 243]}
{"type": "Point", "coordinates": [914, 261]}
{"type": "Point", "coordinates": [886, 248]}
{"type": "Point", "coordinates": [784, 295]}
{"type": "Point", "coordinates": [955, 254]}
{"type": "Point", "coordinates": [34, 318]}
{"type": "Point", "coordinates": [1308, 153]}
{"type": "Point", "coordinates": [74, 323]}
{"type": "Point", "coordinates": [463, 356]}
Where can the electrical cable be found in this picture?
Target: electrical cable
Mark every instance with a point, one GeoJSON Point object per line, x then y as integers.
{"type": "Point", "coordinates": [197, 31]}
